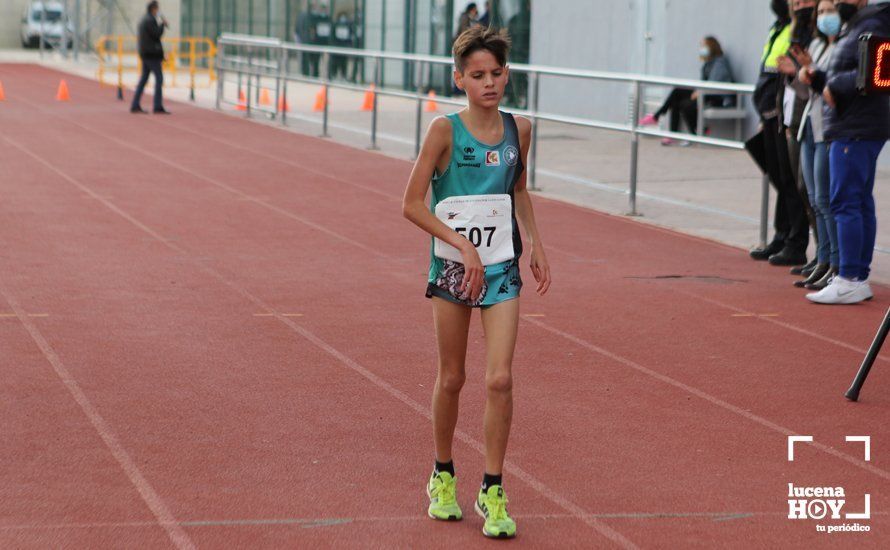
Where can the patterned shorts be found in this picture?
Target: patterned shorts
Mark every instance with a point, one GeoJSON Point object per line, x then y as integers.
{"type": "Point", "coordinates": [502, 282]}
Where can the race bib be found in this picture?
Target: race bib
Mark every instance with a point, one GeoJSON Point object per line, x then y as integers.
{"type": "Point", "coordinates": [484, 220]}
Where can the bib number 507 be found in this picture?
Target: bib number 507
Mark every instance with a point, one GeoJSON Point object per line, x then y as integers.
{"type": "Point", "coordinates": [474, 235]}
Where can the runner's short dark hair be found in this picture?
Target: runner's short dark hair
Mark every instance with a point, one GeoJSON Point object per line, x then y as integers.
{"type": "Point", "coordinates": [477, 38]}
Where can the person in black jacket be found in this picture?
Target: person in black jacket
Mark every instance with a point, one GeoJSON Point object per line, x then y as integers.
{"type": "Point", "coordinates": [151, 52]}
{"type": "Point", "coordinates": [857, 126]}
{"type": "Point", "coordinates": [791, 238]}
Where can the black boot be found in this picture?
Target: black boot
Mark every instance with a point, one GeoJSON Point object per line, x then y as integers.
{"type": "Point", "coordinates": [823, 282]}
{"type": "Point", "coordinates": [788, 256]}
{"type": "Point", "coordinates": [804, 270]}
{"type": "Point", "coordinates": [815, 275]}
{"type": "Point", "coordinates": [764, 252]}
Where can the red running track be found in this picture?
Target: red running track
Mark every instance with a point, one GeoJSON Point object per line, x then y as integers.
{"type": "Point", "coordinates": [214, 335]}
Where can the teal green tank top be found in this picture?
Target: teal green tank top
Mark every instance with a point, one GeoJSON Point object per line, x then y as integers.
{"type": "Point", "coordinates": [478, 168]}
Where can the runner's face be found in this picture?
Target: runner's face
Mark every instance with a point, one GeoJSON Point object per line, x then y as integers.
{"type": "Point", "coordinates": [483, 79]}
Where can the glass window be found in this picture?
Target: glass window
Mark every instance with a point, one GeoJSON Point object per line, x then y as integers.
{"type": "Point", "coordinates": [49, 16]}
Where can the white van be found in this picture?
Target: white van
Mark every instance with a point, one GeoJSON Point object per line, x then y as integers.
{"type": "Point", "coordinates": [48, 15]}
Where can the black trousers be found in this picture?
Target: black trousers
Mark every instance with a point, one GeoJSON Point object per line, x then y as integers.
{"type": "Point", "coordinates": [790, 222]}
{"type": "Point", "coordinates": [150, 66]}
{"type": "Point", "coordinates": [680, 104]}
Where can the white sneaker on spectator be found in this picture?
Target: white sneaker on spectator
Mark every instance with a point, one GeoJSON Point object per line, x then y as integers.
{"type": "Point", "coordinates": [841, 291]}
{"type": "Point", "coordinates": [866, 290]}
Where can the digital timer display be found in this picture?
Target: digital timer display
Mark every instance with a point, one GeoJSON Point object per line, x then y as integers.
{"type": "Point", "coordinates": [874, 64]}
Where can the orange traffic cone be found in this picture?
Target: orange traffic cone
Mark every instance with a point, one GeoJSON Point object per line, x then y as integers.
{"type": "Point", "coordinates": [62, 94]}
{"type": "Point", "coordinates": [264, 97]}
{"type": "Point", "coordinates": [320, 100]}
{"type": "Point", "coordinates": [2, 93]}
{"type": "Point", "coordinates": [368, 104]}
{"type": "Point", "coordinates": [242, 101]}
{"type": "Point", "coordinates": [282, 105]}
{"type": "Point", "coordinates": [431, 105]}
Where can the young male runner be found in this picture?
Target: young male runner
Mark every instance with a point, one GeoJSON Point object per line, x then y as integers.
{"type": "Point", "coordinates": [474, 163]}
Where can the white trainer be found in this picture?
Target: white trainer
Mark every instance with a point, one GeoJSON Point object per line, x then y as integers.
{"type": "Point", "coordinates": [866, 290]}
{"type": "Point", "coordinates": [842, 291]}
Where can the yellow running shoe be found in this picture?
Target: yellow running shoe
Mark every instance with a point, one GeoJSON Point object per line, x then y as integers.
{"type": "Point", "coordinates": [443, 502]}
{"type": "Point", "coordinates": [492, 505]}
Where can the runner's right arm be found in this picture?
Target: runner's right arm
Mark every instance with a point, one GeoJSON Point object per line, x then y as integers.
{"type": "Point", "coordinates": [437, 147]}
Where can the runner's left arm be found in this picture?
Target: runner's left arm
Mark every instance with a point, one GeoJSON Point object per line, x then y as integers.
{"type": "Point", "coordinates": [526, 214]}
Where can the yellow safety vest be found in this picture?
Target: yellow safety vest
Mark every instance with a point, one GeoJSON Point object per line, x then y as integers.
{"type": "Point", "coordinates": [775, 48]}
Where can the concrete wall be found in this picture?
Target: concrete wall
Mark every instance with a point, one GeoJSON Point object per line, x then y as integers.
{"type": "Point", "coordinates": [658, 37]}
{"type": "Point", "coordinates": [126, 16]}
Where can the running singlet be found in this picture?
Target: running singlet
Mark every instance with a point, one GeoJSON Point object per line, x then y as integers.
{"type": "Point", "coordinates": [474, 191]}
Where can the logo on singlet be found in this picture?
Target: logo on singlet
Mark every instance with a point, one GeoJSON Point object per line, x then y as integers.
{"type": "Point", "coordinates": [492, 158]}
{"type": "Point", "coordinates": [511, 155]}
{"type": "Point", "coordinates": [469, 154]}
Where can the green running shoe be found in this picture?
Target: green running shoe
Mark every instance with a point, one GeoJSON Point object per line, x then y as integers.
{"type": "Point", "coordinates": [492, 505]}
{"type": "Point", "coordinates": [443, 502]}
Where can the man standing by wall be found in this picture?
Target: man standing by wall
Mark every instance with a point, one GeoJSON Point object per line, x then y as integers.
{"type": "Point", "coordinates": [151, 52]}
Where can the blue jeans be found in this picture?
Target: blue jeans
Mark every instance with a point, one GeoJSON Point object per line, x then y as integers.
{"type": "Point", "coordinates": [150, 66]}
{"type": "Point", "coordinates": [816, 175]}
{"type": "Point", "coordinates": [853, 165]}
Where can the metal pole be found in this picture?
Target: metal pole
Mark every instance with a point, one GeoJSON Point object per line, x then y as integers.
{"type": "Point", "coordinates": [278, 77]}
{"type": "Point", "coordinates": [63, 46]}
{"type": "Point", "coordinates": [378, 78]}
{"type": "Point", "coordinates": [377, 64]}
{"type": "Point", "coordinates": [531, 178]}
{"type": "Point", "coordinates": [42, 30]}
{"type": "Point", "coordinates": [249, 70]}
{"type": "Point", "coordinates": [764, 209]}
{"type": "Point", "coordinates": [220, 76]}
{"type": "Point", "coordinates": [76, 43]}
{"type": "Point", "coordinates": [700, 113]}
{"type": "Point", "coordinates": [853, 393]}
{"type": "Point", "coordinates": [285, 64]}
{"type": "Point", "coordinates": [418, 67]}
{"type": "Point", "coordinates": [326, 62]}
{"type": "Point", "coordinates": [634, 150]}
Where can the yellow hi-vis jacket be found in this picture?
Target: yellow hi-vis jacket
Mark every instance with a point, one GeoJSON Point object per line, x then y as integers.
{"type": "Point", "coordinates": [776, 46]}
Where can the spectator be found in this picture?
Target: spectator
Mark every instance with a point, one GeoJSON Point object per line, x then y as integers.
{"type": "Point", "coordinates": [151, 53]}
{"type": "Point", "coordinates": [857, 126]}
{"type": "Point", "coordinates": [343, 39]}
{"type": "Point", "coordinates": [467, 19]}
{"type": "Point", "coordinates": [789, 243]}
{"type": "Point", "coordinates": [814, 148]}
{"type": "Point", "coordinates": [485, 20]}
{"type": "Point", "coordinates": [519, 30]}
{"type": "Point", "coordinates": [684, 102]}
{"type": "Point", "coordinates": [791, 103]}
{"type": "Point", "coordinates": [305, 34]}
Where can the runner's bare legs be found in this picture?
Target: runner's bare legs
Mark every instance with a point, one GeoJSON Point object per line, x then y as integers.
{"type": "Point", "coordinates": [452, 325]}
{"type": "Point", "coordinates": [501, 323]}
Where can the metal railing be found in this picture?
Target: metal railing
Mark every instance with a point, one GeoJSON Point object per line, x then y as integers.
{"type": "Point", "coordinates": [251, 58]}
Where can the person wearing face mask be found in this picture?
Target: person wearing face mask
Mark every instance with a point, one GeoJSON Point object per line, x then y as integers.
{"type": "Point", "coordinates": [857, 126]}
{"type": "Point", "coordinates": [789, 243]}
{"type": "Point", "coordinates": [814, 149]}
{"type": "Point", "coordinates": [792, 100]}
{"type": "Point", "coordinates": [684, 102]}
